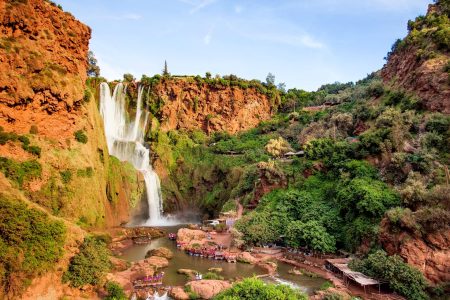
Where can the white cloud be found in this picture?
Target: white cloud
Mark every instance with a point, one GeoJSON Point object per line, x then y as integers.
{"type": "Point", "coordinates": [238, 9]}
{"type": "Point", "coordinates": [207, 38]}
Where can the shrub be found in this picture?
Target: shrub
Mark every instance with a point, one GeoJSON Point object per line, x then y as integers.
{"type": "Point", "coordinates": [87, 172]}
{"type": "Point", "coordinates": [89, 265]}
{"type": "Point", "coordinates": [252, 288]}
{"type": "Point", "coordinates": [81, 136]}
{"type": "Point", "coordinates": [30, 243]}
{"type": "Point", "coordinates": [66, 176]}
{"type": "Point", "coordinates": [87, 95]}
{"type": "Point", "coordinates": [278, 147]}
{"type": "Point", "coordinates": [35, 150]}
{"type": "Point", "coordinates": [326, 285]}
{"type": "Point", "coordinates": [333, 296]}
{"type": "Point", "coordinates": [401, 277]}
{"type": "Point", "coordinates": [115, 292]}
{"type": "Point", "coordinates": [20, 171]}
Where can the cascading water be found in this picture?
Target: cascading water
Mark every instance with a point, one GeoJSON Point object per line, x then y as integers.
{"type": "Point", "coordinates": [125, 139]}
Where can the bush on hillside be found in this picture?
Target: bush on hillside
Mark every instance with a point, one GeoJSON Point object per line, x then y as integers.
{"type": "Point", "coordinates": [20, 172]}
{"type": "Point", "coordinates": [81, 136]}
{"type": "Point", "coordinates": [90, 265]}
{"type": "Point", "coordinates": [252, 288]}
{"type": "Point", "coordinates": [115, 292]}
{"type": "Point", "coordinates": [30, 244]}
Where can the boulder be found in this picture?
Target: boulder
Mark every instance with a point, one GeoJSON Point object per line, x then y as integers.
{"type": "Point", "coordinates": [161, 252]}
{"type": "Point", "coordinates": [186, 235]}
{"type": "Point", "coordinates": [207, 289]}
{"type": "Point", "coordinates": [246, 257]}
{"type": "Point", "coordinates": [178, 293]}
{"type": "Point", "coordinates": [157, 262]}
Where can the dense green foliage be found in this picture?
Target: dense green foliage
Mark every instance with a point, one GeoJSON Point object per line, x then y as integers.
{"type": "Point", "coordinates": [30, 244]}
{"type": "Point", "coordinates": [252, 288]}
{"type": "Point", "coordinates": [115, 292]}
{"type": "Point", "coordinates": [323, 211]}
{"type": "Point", "coordinates": [400, 276]}
{"type": "Point", "coordinates": [90, 264]}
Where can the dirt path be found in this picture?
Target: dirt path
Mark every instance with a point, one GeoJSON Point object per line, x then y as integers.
{"type": "Point", "coordinates": [240, 210]}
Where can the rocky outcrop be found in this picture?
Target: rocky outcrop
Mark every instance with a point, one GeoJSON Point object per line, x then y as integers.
{"type": "Point", "coordinates": [429, 253]}
{"type": "Point", "coordinates": [207, 289]}
{"type": "Point", "coordinates": [246, 257]}
{"type": "Point", "coordinates": [419, 67]}
{"type": "Point", "coordinates": [425, 78]}
{"type": "Point", "coordinates": [188, 237]}
{"type": "Point", "coordinates": [43, 64]}
{"type": "Point", "coordinates": [191, 105]}
{"type": "Point", "coordinates": [161, 252]}
{"type": "Point", "coordinates": [178, 293]}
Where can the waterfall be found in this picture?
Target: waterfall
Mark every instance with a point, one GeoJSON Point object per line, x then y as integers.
{"type": "Point", "coordinates": [125, 139]}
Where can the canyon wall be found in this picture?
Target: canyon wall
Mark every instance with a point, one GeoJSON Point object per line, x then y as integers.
{"type": "Point", "coordinates": [43, 62]}
{"type": "Point", "coordinates": [420, 63]}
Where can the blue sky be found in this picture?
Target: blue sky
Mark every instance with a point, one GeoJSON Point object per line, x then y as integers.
{"type": "Point", "coordinates": [304, 43]}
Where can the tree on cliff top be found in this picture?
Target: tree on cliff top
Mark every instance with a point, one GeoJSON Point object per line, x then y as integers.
{"type": "Point", "coordinates": [93, 70]}
{"type": "Point", "coordinates": [165, 71]}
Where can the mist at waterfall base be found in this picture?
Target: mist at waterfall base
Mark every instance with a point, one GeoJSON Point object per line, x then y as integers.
{"type": "Point", "coordinates": [125, 138]}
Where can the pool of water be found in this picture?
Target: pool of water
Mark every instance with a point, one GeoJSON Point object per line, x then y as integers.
{"type": "Point", "coordinates": [181, 260]}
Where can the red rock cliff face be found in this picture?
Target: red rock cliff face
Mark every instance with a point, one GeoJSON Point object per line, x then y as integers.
{"type": "Point", "coordinates": [189, 105]}
{"type": "Point", "coordinates": [430, 253]}
{"type": "Point", "coordinates": [426, 77]}
{"type": "Point", "coordinates": [42, 67]}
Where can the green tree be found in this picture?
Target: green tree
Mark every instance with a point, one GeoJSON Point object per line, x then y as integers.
{"type": "Point", "coordinates": [401, 277]}
{"type": "Point", "coordinates": [165, 71]}
{"type": "Point", "coordinates": [93, 69]}
{"type": "Point", "coordinates": [252, 289]}
{"type": "Point", "coordinates": [270, 79]}
{"type": "Point", "coordinates": [311, 234]}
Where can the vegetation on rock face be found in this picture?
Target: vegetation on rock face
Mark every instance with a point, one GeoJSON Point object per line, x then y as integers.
{"type": "Point", "coordinates": [252, 288]}
{"type": "Point", "coordinates": [81, 136]}
{"type": "Point", "coordinates": [401, 277]}
{"type": "Point", "coordinates": [90, 265]}
{"type": "Point", "coordinates": [20, 172]}
{"type": "Point", "coordinates": [30, 244]}
{"type": "Point", "coordinates": [115, 292]}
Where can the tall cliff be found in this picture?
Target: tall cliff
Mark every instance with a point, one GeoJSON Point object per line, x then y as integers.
{"type": "Point", "coordinates": [43, 63]}
{"type": "Point", "coordinates": [190, 104]}
{"type": "Point", "coordinates": [57, 179]}
{"type": "Point", "coordinates": [420, 63]}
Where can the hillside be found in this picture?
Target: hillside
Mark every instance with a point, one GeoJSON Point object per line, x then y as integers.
{"type": "Point", "coordinates": [420, 62]}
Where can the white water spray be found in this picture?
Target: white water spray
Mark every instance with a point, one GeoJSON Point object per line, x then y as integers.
{"type": "Point", "coordinates": [125, 138]}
